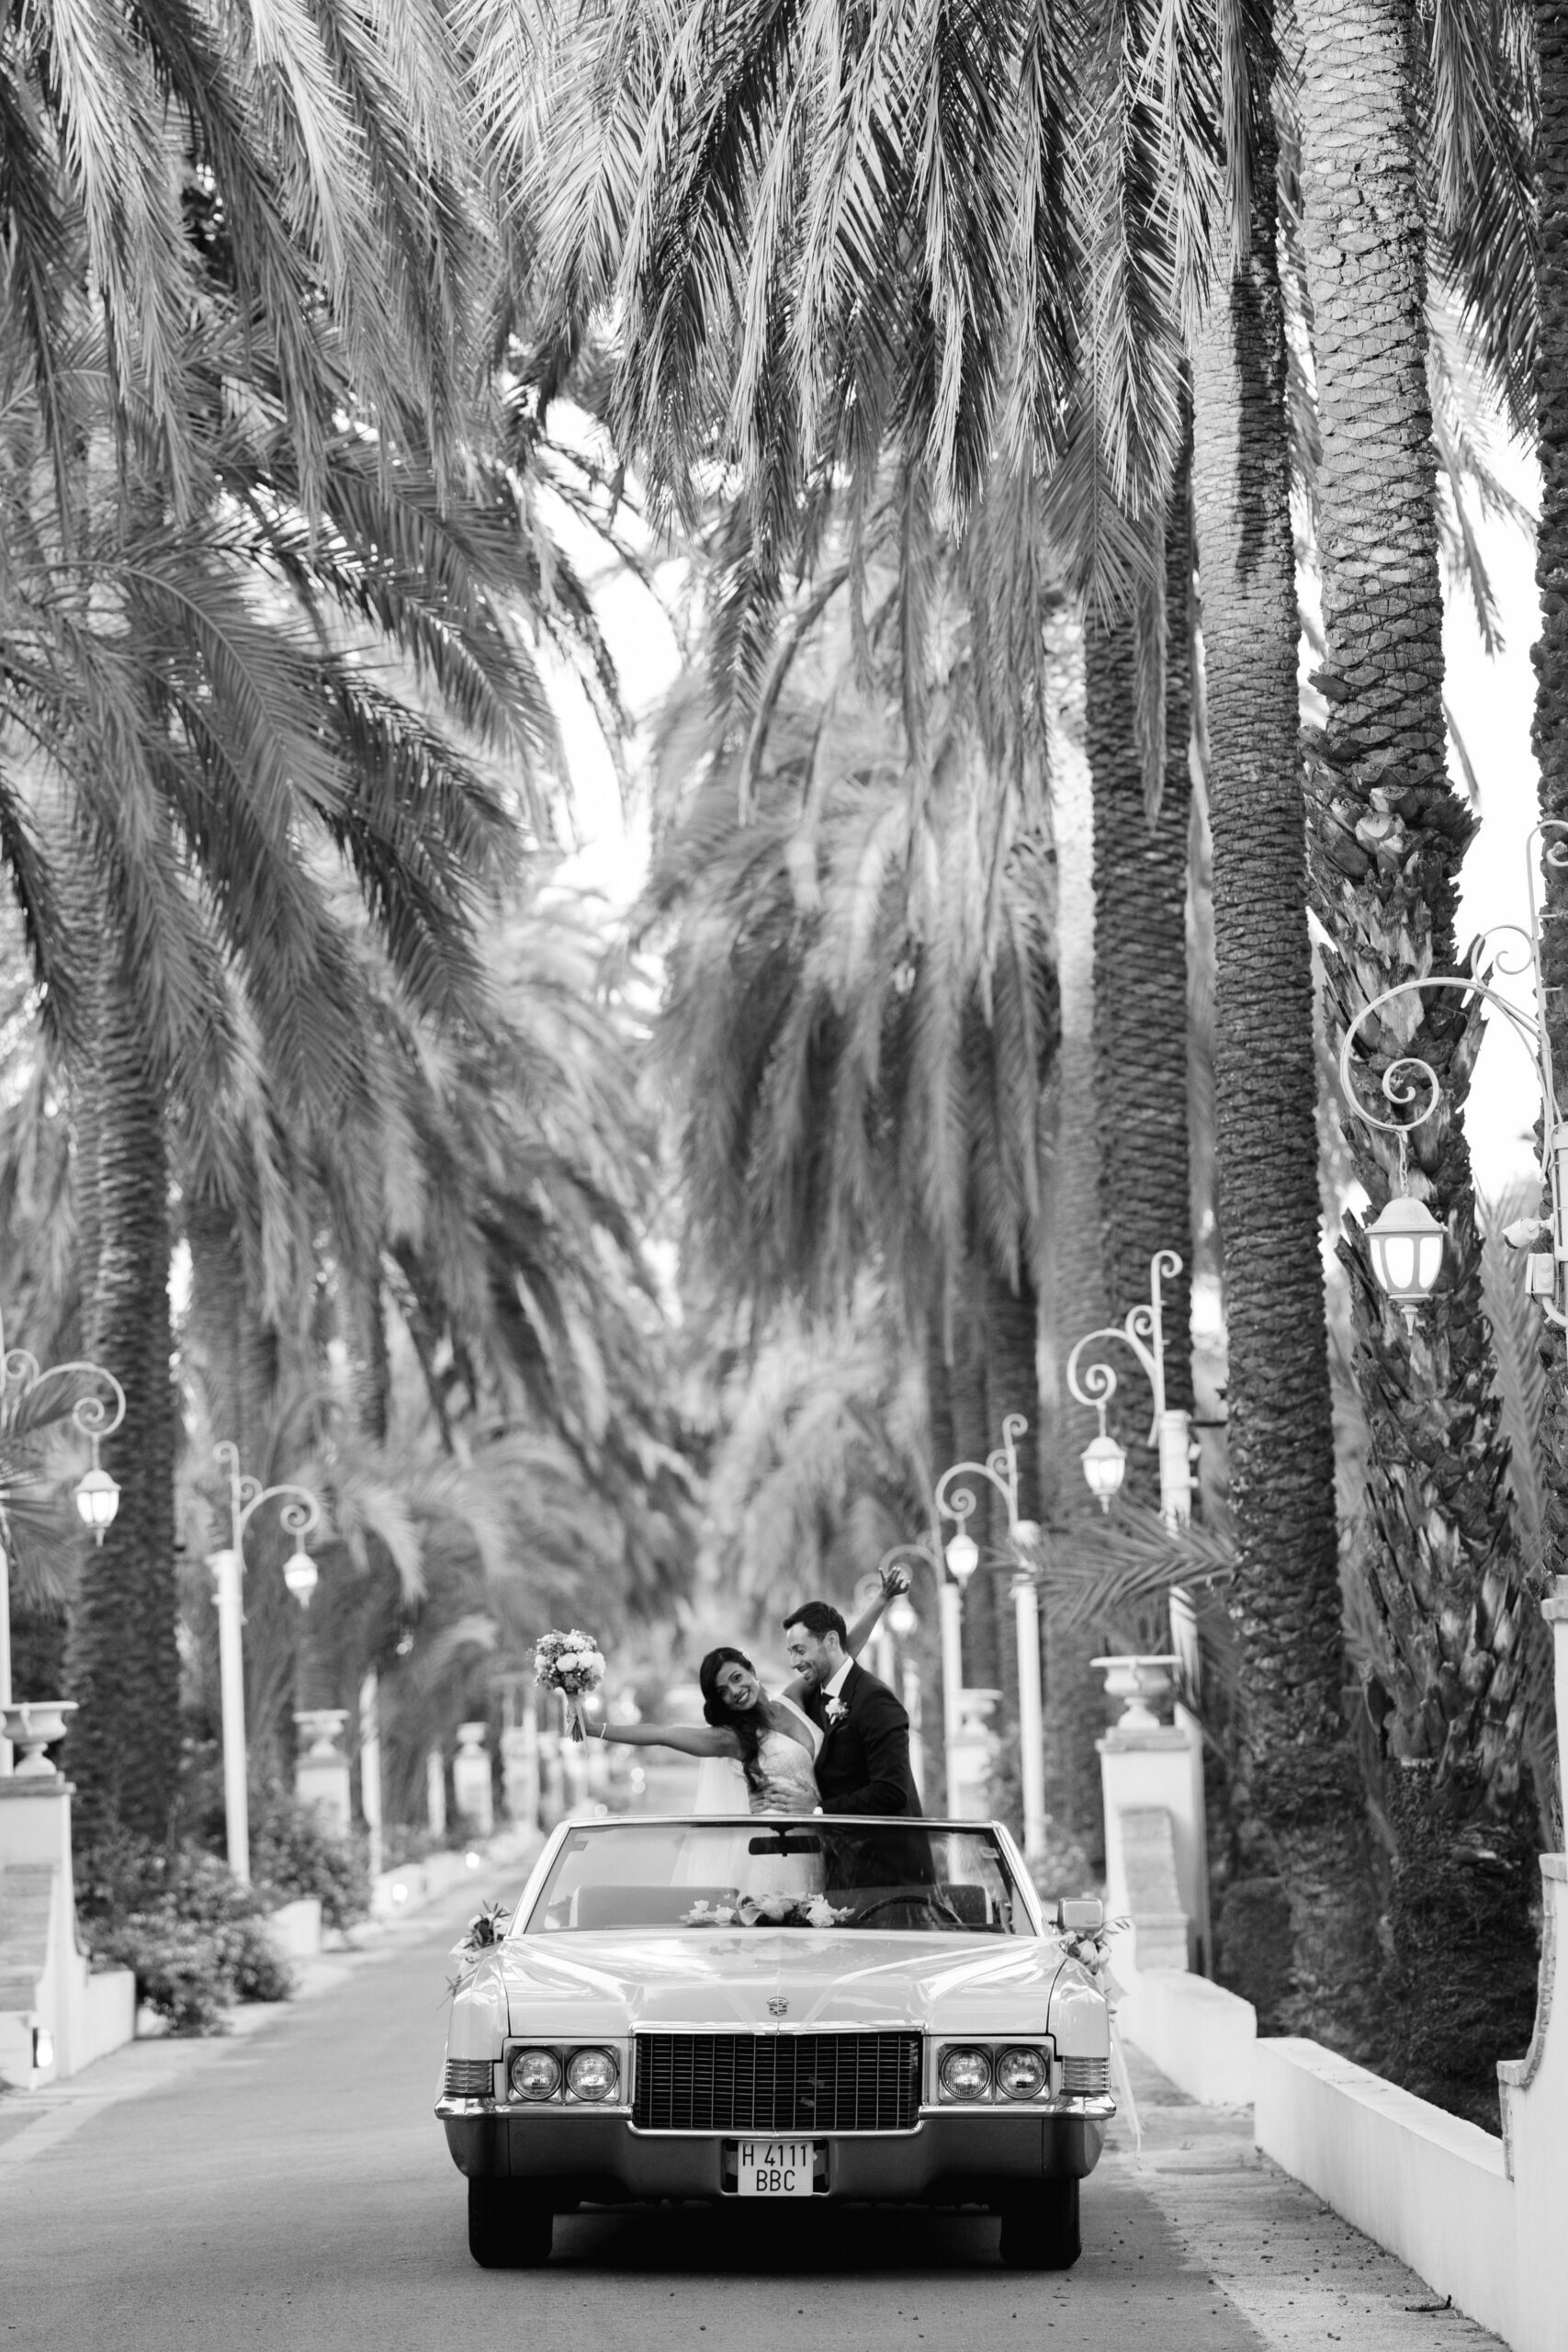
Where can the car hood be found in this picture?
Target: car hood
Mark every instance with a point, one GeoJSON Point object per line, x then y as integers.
{"type": "Point", "coordinates": [726, 1980]}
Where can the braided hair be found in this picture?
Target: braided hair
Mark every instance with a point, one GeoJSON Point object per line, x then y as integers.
{"type": "Point", "coordinates": [747, 1724]}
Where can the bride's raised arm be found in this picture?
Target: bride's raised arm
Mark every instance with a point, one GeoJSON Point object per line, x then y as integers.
{"type": "Point", "coordinates": [691, 1740]}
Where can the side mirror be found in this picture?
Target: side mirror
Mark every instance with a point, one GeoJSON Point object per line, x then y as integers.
{"type": "Point", "coordinates": [1084, 1916]}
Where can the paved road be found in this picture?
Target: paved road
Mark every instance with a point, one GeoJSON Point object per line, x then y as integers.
{"type": "Point", "coordinates": [292, 2189]}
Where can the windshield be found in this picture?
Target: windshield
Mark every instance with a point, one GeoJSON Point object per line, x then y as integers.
{"type": "Point", "coordinates": [804, 1874]}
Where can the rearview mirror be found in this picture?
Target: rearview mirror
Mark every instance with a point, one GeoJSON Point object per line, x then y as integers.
{"type": "Point", "coordinates": [1083, 1915]}
{"type": "Point", "coordinates": [783, 1845]}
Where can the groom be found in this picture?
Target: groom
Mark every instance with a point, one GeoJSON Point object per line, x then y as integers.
{"type": "Point", "coordinates": [862, 1765]}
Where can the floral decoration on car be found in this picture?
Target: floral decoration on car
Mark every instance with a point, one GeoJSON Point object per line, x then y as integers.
{"type": "Point", "coordinates": [483, 1932]}
{"type": "Point", "coordinates": [1091, 1947]}
{"type": "Point", "coordinates": [767, 1911]}
{"type": "Point", "coordinates": [486, 1927]}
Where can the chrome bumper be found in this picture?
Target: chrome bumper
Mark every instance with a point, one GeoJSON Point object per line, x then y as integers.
{"type": "Point", "coordinates": [951, 2156]}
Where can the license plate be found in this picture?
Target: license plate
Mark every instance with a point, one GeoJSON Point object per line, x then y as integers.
{"type": "Point", "coordinates": [774, 2167]}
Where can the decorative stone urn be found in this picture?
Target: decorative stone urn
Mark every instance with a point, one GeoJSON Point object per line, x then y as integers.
{"type": "Point", "coordinates": [321, 1771]}
{"type": "Point", "coordinates": [31, 1725]}
{"type": "Point", "coordinates": [1140, 1683]}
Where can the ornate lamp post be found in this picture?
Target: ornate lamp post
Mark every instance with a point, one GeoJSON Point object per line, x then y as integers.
{"type": "Point", "coordinates": [300, 1513]}
{"type": "Point", "coordinates": [1170, 1430]}
{"type": "Point", "coordinates": [1105, 1461]}
{"type": "Point", "coordinates": [959, 1503]}
{"type": "Point", "coordinates": [97, 1495]}
{"type": "Point", "coordinates": [1406, 1241]}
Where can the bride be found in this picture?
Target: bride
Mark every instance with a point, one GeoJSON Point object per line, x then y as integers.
{"type": "Point", "coordinates": [759, 1750]}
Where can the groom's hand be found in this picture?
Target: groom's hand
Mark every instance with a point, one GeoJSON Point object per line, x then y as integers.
{"type": "Point", "coordinates": [894, 1581]}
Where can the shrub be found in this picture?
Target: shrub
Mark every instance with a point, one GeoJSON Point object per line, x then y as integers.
{"type": "Point", "coordinates": [294, 1856]}
{"type": "Point", "coordinates": [179, 1967]}
{"type": "Point", "coordinates": [194, 1936]}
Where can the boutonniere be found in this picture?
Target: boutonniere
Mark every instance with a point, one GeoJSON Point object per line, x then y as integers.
{"type": "Point", "coordinates": [837, 1710]}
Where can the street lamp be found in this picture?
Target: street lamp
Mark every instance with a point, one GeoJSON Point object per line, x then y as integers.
{"type": "Point", "coordinates": [299, 1512]}
{"type": "Point", "coordinates": [1406, 1241]}
{"type": "Point", "coordinates": [999, 1469]}
{"type": "Point", "coordinates": [1105, 1461]}
{"type": "Point", "coordinates": [97, 1495]}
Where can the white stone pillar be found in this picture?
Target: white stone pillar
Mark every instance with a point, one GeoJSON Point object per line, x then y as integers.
{"type": "Point", "coordinates": [435, 1792]}
{"type": "Point", "coordinates": [227, 1570]}
{"type": "Point", "coordinates": [1152, 1780]}
{"type": "Point", "coordinates": [5, 1651]}
{"type": "Point", "coordinates": [370, 1766]}
{"type": "Point", "coordinates": [471, 1779]}
{"type": "Point", "coordinates": [1030, 1718]}
{"type": "Point", "coordinates": [320, 1770]}
{"type": "Point", "coordinates": [969, 1758]}
{"type": "Point", "coordinates": [520, 1769]}
{"type": "Point", "coordinates": [913, 1705]}
{"type": "Point", "coordinates": [950, 1606]}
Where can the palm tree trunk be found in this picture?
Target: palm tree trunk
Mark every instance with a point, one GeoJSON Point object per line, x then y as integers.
{"type": "Point", "coordinates": [125, 1667]}
{"type": "Point", "coordinates": [1550, 735]}
{"type": "Point", "coordinates": [1385, 839]}
{"type": "Point", "coordinates": [1075, 1714]}
{"type": "Point", "coordinates": [1012, 1386]}
{"type": "Point", "coordinates": [1140, 990]}
{"type": "Point", "coordinates": [1297, 1923]}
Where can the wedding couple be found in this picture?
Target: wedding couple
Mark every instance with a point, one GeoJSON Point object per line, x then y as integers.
{"type": "Point", "coordinates": [834, 1740]}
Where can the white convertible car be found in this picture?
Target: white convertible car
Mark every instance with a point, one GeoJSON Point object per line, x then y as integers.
{"type": "Point", "coordinates": [760, 2007]}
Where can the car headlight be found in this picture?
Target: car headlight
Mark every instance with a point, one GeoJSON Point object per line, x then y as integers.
{"type": "Point", "coordinates": [536, 2075]}
{"type": "Point", "coordinates": [593, 2074]}
{"type": "Point", "coordinates": [1022, 2073]}
{"type": "Point", "coordinates": [964, 2073]}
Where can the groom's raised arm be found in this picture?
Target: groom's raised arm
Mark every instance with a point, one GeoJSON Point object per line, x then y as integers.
{"type": "Point", "coordinates": [884, 1728]}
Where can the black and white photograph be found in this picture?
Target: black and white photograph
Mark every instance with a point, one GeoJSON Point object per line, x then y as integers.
{"type": "Point", "coordinates": [784, 1185]}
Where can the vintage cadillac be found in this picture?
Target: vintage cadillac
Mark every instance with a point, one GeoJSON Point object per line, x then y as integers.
{"type": "Point", "coordinates": [823, 2007]}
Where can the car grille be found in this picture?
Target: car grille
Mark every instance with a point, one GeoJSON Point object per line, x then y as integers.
{"type": "Point", "coordinates": [469, 2078]}
{"type": "Point", "coordinates": [777, 2082]}
{"type": "Point", "coordinates": [1085, 2077]}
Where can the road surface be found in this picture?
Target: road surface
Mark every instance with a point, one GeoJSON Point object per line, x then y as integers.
{"type": "Point", "coordinates": [291, 2188]}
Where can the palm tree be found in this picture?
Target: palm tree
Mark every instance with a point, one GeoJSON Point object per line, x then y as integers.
{"type": "Point", "coordinates": [316, 159]}
{"type": "Point", "coordinates": [759, 240]}
{"type": "Point", "coordinates": [1304, 1813]}
{"type": "Point", "coordinates": [1143, 805]}
{"type": "Point", "coordinates": [1386, 835]}
{"type": "Point", "coordinates": [198, 700]}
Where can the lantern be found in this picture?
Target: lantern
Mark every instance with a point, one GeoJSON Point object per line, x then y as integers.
{"type": "Point", "coordinates": [963, 1556]}
{"type": "Point", "coordinates": [1407, 1253]}
{"type": "Point", "coordinates": [299, 1576]}
{"type": "Point", "coordinates": [98, 1500]}
{"type": "Point", "coordinates": [1104, 1466]}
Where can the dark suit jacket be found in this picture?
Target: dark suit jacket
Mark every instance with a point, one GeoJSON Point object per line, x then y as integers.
{"type": "Point", "coordinates": [862, 1765]}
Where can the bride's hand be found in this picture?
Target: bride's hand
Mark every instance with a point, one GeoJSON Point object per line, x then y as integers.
{"type": "Point", "coordinates": [895, 1580]}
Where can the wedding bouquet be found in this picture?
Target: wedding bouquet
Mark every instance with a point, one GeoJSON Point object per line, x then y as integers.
{"type": "Point", "coordinates": [572, 1664]}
